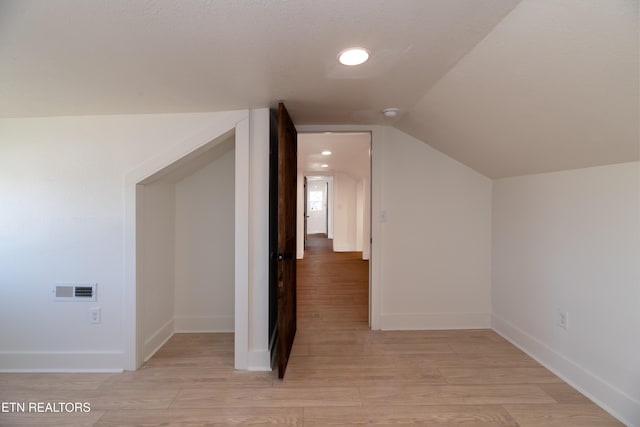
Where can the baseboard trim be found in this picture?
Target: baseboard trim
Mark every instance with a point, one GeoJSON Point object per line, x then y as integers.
{"type": "Point", "coordinates": [72, 362]}
{"type": "Point", "coordinates": [344, 248]}
{"type": "Point", "coordinates": [158, 339]}
{"type": "Point", "coordinates": [204, 323]}
{"type": "Point", "coordinates": [608, 397]}
{"type": "Point", "coordinates": [400, 322]}
{"type": "Point", "coordinates": [259, 360]}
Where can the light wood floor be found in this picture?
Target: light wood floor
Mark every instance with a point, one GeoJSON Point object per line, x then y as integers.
{"type": "Point", "coordinates": [340, 373]}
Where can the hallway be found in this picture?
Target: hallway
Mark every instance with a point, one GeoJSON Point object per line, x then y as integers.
{"type": "Point", "coordinates": [333, 288]}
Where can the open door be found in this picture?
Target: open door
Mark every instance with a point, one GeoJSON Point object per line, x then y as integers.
{"type": "Point", "coordinates": [282, 235]}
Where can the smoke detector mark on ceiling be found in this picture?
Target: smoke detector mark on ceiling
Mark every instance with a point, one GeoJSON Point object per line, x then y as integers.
{"type": "Point", "coordinates": [390, 112]}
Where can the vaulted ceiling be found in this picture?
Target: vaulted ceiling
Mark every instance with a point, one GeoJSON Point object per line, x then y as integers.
{"type": "Point", "coordinates": [507, 87]}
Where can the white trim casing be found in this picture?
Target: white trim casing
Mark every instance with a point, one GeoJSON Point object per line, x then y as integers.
{"type": "Point", "coordinates": [258, 345]}
{"type": "Point", "coordinates": [241, 327]}
{"type": "Point", "coordinates": [221, 125]}
{"type": "Point", "coordinates": [375, 260]}
{"type": "Point", "coordinates": [434, 321]}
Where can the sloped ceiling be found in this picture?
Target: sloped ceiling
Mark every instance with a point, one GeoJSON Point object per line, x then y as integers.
{"type": "Point", "coordinates": [554, 86]}
{"type": "Point", "coordinates": [506, 87]}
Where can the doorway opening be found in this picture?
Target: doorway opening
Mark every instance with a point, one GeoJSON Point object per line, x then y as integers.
{"type": "Point", "coordinates": [334, 227]}
{"type": "Point", "coordinates": [185, 221]}
{"type": "Point", "coordinates": [319, 209]}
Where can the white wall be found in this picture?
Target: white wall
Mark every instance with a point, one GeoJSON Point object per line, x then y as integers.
{"type": "Point", "coordinates": [344, 212]}
{"type": "Point", "coordinates": [330, 204]}
{"type": "Point", "coordinates": [363, 217]}
{"type": "Point", "coordinates": [436, 241]}
{"type": "Point", "coordinates": [300, 214]}
{"type": "Point", "coordinates": [156, 219]}
{"type": "Point", "coordinates": [62, 184]}
{"type": "Point", "coordinates": [204, 247]}
{"type": "Point", "coordinates": [430, 261]}
{"type": "Point", "coordinates": [366, 220]}
{"type": "Point", "coordinates": [359, 215]}
{"type": "Point", "coordinates": [571, 241]}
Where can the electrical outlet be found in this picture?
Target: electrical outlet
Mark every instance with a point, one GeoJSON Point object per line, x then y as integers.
{"type": "Point", "coordinates": [94, 315]}
{"type": "Point", "coordinates": [563, 319]}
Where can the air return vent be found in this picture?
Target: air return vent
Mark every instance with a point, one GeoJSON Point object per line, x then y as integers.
{"type": "Point", "coordinates": [74, 292]}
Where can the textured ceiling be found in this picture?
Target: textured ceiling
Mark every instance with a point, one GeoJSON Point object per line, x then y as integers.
{"type": "Point", "coordinates": [506, 87]}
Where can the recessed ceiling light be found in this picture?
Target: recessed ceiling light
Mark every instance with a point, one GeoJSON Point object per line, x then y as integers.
{"type": "Point", "coordinates": [353, 56]}
{"type": "Point", "coordinates": [390, 112]}
{"type": "Point", "coordinates": [326, 153]}
{"type": "Point", "coordinates": [324, 166]}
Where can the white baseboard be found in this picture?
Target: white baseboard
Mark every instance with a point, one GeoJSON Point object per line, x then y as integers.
{"type": "Point", "coordinates": [45, 361]}
{"type": "Point", "coordinates": [399, 322]}
{"type": "Point", "coordinates": [259, 360]}
{"type": "Point", "coordinates": [605, 395]}
{"type": "Point", "coordinates": [204, 323]}
{"type": "Point", "coordinates": [344, 248]}
{"type": "Point", "coordinates": [158, 339]}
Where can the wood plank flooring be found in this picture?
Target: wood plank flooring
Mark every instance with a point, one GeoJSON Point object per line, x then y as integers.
{"type": "Point", "coordinates": [340, 374]}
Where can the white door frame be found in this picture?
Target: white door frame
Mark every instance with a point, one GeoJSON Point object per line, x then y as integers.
{"type": "Point", "coordinates": [220, 128]}
{"type": "Point", "coordinates": [375, 256]}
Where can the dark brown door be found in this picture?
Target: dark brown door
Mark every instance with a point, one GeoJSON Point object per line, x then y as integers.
{"type": "Point", "coordinates": [282, 196]}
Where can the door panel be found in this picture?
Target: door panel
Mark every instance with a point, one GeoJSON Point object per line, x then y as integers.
{"type": "Point", "coordinates": [283, 174]}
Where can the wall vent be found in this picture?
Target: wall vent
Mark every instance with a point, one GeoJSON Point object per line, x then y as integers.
{"type": "Point", "coordinates": [74, 292]}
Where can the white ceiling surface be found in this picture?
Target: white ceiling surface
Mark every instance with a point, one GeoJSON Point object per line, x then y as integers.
{"type": "Point", "coordinates": [77, 57]}
{"type": "Point", "coordinates": [553, 87]}
{"type": "Point", "coordinates": [349, 153]}
{"type": "Point", "coordinates": [506, 87]}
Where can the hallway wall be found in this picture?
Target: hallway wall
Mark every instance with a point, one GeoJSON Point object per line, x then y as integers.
{"type": "Point", "coordinates": [344, 212]}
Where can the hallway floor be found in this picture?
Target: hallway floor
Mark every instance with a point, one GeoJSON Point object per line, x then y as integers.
{"type": "Point", "coordinates": [340, 373]}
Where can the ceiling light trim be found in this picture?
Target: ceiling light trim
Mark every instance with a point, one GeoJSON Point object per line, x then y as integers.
{"type": "Point", "coordinates": [354, 56]}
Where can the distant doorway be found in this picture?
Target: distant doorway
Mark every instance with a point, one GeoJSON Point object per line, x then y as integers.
{"type": "Point", "coordinates": [317, 205]}
{"type": "Point", "coordinates": [334, 190]}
